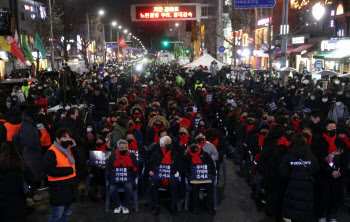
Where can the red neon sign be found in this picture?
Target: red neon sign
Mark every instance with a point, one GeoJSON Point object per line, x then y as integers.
{"type": "Point", "coordinates": [165, 12]}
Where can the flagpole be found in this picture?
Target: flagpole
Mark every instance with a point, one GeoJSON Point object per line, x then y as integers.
{"type": "Point", "coordinates": [51, 30]}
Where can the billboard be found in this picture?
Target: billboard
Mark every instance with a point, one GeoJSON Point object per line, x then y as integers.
{"type": "Point", "coordinates": [165, 12]}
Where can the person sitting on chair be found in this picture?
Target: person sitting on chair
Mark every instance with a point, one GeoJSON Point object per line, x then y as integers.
{"type": "Point", "coordinates": [196, 155]}
{"type": "Point", "coordinates": [122, 157]}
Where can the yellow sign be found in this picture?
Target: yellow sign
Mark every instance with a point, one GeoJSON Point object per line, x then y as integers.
{"type": "Point", "coordinates": [4, 45]}
{"type": "Point", "coordinates": [245, 41]}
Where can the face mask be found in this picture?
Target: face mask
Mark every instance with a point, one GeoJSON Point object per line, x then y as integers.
{"type": "Point", "coordinates": [325, 100]}
{"type": "Point", "coordinates": [40, 87]}
{"type": "Point", "coordinates": [347, 95]}
{"type": "Point", "coordinates": [137, 123]}
{"type": "Point", "coordinates": [45, 86]}
{"type": "Point", "coordinates": [338, 103]}
{"type": "Point", "coordinates": [183, 134]}
{"type": "Point", "coordinates": [339, 93]}
{"type": "Point", "coordinates": [159, 126]}
{"type": "Point", "coordinates": [312, 98]}
{"type": "Point", "coordinates": [295, 118]}
{"type": "Point", "coordinates": [264, 118]}
{"type": "Point", "coordinates": [65, 144]}
{"type": "Point", "coordinates": [67, 108]}
{"type": "Point", "coordinates": [337, 82]}
{"type": "Point", "coordinates": [293, 87]}
{"type": "Point", "coordinates": [32, 86]}
{"type": "Point", "coordinates": [194, 148]}
{"type": "Point", "coordinates": [123, 152]}
{"type": "Point", "coordinates": [99, 144]}
{"type": "Point", "coordinates": [200, 140]}
{"type": "Point", "coordinates": [297, 80]}
{"type": "Point", "coordinates": [168, 147]}
{"type": "Point", "coordinates": [331, 133]}
{"type": "Point", "coordinates": [130, 141]}
{"type": "Point", "coordinates": [88, 130]}
{"type": "Point", "coordinates": [281, 85]}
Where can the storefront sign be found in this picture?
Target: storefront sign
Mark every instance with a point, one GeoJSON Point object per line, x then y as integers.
{"type": "Point", "coordinates": [298, 40]}
{"type": "Point", "coordinates": [328, 45]}
{"type": "Point", "coordinates": [263, 22]}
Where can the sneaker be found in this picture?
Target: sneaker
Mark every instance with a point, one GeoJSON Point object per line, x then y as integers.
{"type": "Point", "coordinates": [43, 189]}
{"type": "Point", "coordinates": [332, 220]}
{"type": "Point", "coordinates": [125, 210]}
{"type": "Point", "coordinates": [201, 195]}
{"type": "Point", "coordinates": [117, 210]}
{"type": "Point", "coordinates": [30, 202]}
{"type": "Point", "coordinates": [322, 220]}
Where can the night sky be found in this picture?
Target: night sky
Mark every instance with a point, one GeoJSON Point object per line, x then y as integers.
{"type": "Point", "coordinates": [119, 10]}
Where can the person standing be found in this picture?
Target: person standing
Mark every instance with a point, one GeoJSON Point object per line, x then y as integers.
{"type": "Point", "coordinates": [13, 172]}
{"type": "Point", "coordinates": [59, 165]}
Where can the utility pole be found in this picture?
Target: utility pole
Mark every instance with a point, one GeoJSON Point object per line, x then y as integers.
{"type": "Point", "coordinates": [219, 28]}
{"type": "Point", "coordinates": [51, 30]}
{"type": "Point", "coordinates": [88, 34]}
{"type": "Point", "coordinates": [270, 43]}
{"type": "Point", "coordinates": [284, 33]}
{"type": "Point", "coordinates": [104, 45]}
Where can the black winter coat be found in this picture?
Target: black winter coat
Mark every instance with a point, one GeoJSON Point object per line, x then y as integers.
{"type": "Point", "coordinates": [269, 162]}
{"type": "Point", "coordinates": [73, 127]}
{"type": "Point", "coordinates": [62, 192]}
{"type": "Point", "coordinates": [32, 152]}
{"type": "Point", "coordinates": [299, 196]}
{"type": "Point", "coordinates": [206, 159]}
{"type": "Point", "coordinates": [157, 157]}
{"type": "Point", "coordinates": [113, 158]}
{"type": "Point", "coordinates": [101, 106]}
{"type": "Point", "coordinates": [13, 199]}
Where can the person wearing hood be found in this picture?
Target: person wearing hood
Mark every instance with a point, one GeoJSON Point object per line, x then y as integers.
{"type": "Point", "coordinates": [119, 131]}
{"type": "Point", "coordinates": [18, 93]}
{"type": "Point", "coordinates": [30, 140]}
{"type": "Point", "coordinates": [100, 107]}
{"type": "Point", "coordinates": [338, 110]}
{"type": "Point", "coordinates": [59, 163]}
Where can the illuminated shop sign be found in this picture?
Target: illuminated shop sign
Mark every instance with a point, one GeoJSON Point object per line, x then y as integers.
{"type": "Point", "coordinates": [163, 12]}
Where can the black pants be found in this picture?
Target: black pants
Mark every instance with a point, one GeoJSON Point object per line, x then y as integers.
{"type": "Point", "coordinates": [195, 195]}
{"type": "Point", "coordinates": [172, 189]}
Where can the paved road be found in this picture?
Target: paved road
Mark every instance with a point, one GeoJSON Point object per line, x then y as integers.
{"type": "Point", "coordinates": [234, 204]}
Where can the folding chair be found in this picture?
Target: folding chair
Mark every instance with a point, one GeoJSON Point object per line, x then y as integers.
{"type": "Point", "coordinates": [121, 190]}
{"type": "Point", "coordinates": [188, 190]}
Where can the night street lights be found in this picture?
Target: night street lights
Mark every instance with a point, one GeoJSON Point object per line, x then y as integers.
{"type": "Point", "coordinates": [125, 31]}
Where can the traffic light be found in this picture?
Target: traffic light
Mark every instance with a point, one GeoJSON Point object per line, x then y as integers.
{"type": "Point", "coordinates": [187, 51]}
{"type": "Point", "coordinates": [165, 43]}
{"type": "Point", "coordinates": [5, 22]}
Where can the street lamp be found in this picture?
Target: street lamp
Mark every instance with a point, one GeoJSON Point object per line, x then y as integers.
{"type": "Point", "coordinates": [125, 31]}
{"type": "Point", "coordinates": [101, 12]}
{"type": "Point", "coordinates": [177, 24]}
{"type": "Point", "coordinates": [318, 11]}
{"type": "Point", "coordinates": [120, 27]}
{"type": "Point", "coordinates": [114, 23]}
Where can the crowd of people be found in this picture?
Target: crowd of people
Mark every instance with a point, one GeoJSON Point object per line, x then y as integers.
{"type": "Point", "coordinates": [289, 136]}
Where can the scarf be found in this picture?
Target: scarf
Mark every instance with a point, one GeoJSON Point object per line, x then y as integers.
{"type": "Point", "coordinates": [132, 127]}
{"type": "Point", "coordinates": [138, 126]}
{"type": "Point", "coordinates": [137, 115]}
{"type": "Point", "coordinates": [156, 138]}
{"type": "Point", "coordinates": [215, 142]}
{"type": "Point", "coordinates": [192, 116]}
{"type": "Point", "coordinates": [309, 141]}
{"type": "Point", "coordinates": [202, 144]}
{"type": "Point", "coordinates": [166, 160]}
{"type": "Point", "coordinates": [124, 160]}
{"type": "Point", "coordinates": [296, 124]}
{"type": "Point", "coordinates": [283, 141]}
{"type": "Point", "coordinates": [249, 127]}
{"type": "Point", "coordinates": [133, 146]}
{"type": "Point", "coordinates": [195, 156]}
{"type": "Point", "coordinates": [242, 120]}
{"type": "Point", "coordinates": [261, 140]}
{"type": "Point", "coordinates": [346, 141]}
{"type": "Point", "coordinates": [102, 148]}
{"type": "Point", "coordinates": [66, 152]}
{"type": "Point", "coordinates": [330, 140]}
{"type": "Point", "coordinates": [184, 139]}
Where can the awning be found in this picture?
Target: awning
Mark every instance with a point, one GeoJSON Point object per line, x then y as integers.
{"type": "Point", "coordinates": [289, 51]}
{"type": "Point", "coordinates": [321, 55]}
{"type": "Point", "coordinates": [302, 48]}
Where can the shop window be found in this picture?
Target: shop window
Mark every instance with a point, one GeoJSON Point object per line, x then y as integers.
{"type": "Point", "coordinates": [332, 23]}
{"type": "Point", "coordinates": [340, 10]}
{"type": "Point", "coordinates": [332, 13]}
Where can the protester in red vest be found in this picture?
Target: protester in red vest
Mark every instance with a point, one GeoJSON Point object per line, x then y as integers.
{"type": "Point", "coordinates": [122, 157]}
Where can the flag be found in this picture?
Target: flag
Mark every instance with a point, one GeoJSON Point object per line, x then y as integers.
{"type": "Point", "coordinates": [4, 46]}
{"type": "Point", "coordinates": [16, 37]}
{"type": "Point", "coordinates": [15, 50]}
{"type": "Point", "coordinates": [25, 49]}
{"type": "Point", "coordinates": [122, 43]}
{"type": "Point", "coordinates": [39, 45]}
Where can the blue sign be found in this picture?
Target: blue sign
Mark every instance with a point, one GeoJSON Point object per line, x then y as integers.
{"type": "Point", "coordinates": [200, 172]}
{"type": "Point", "coordinates": [99, 158]}
{"type": "Point", "coordinates": [222, 49]}
{"type": "Point", "coordinates": [112, 46]}
{"type": "Point", "coordinates": [163, 172]}
{"type": "Point", "coordinates": [120, 175]}
{"type": "Point", "coordinates": [245, 4]}
{"type": "Point", "coordinates": [318, 64]}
